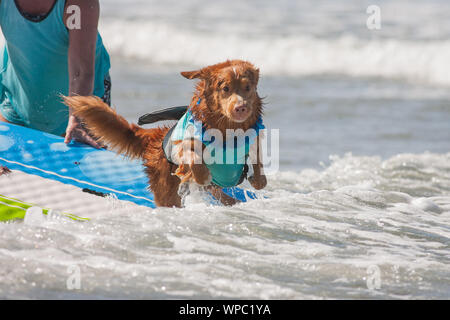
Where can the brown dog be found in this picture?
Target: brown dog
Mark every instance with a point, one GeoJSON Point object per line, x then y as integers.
{"type": "Point", "coordinates": [225, 98]}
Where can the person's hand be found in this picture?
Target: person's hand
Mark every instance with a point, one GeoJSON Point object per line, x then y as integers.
{"type": "Point", "coordinates": [76, 131]}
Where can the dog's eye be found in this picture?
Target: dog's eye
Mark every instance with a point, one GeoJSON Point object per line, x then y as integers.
{"type": "Point", "coordinates": [247, 88]}
{"type": "Point", "coordinates": [226, 89]}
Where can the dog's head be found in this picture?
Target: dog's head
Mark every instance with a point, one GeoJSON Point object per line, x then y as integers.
{"type": "Point", "coordinates": [230, 90]}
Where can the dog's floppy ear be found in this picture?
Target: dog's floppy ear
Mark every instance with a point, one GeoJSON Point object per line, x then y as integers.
{"type": "Point", "coordinates": [256, 76]}
{"type": "Point", "coordinates": [192, 74]}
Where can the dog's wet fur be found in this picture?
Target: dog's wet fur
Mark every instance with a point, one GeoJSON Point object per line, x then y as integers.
{"type": "Point", "coordinates": [228, 100]}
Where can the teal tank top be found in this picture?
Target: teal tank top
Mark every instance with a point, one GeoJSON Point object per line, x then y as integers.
{"type": "Point", "coordinates": [34, 68]}
{"type": "Point", "coordinates": [227, 173]}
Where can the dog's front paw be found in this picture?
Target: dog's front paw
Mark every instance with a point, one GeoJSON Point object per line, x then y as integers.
{"type": "Point", "coordinates": [258, 182]}
{"type": "Point", "coordinates": [201, 174]}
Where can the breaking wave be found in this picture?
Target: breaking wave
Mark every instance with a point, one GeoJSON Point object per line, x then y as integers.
{"type": "Point", "coordinates": [297, 55]}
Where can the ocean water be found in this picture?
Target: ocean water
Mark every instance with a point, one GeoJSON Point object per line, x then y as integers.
{"type": "Point", "coordinates": [360, 205]}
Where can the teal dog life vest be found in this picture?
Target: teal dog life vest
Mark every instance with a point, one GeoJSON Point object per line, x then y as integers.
{"type": "Point", "coordinates": [227, 168]}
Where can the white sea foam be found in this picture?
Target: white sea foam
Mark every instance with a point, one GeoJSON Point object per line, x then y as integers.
{"type": "Point", "coordinates": [293, 38]}
{"type": "Point", "coordinates": [303, 55]}
{"type": "Point", "coordinates": [322, 228]}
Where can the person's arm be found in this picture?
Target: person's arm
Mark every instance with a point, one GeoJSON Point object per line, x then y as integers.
{"type": "Point", "coordinates": [81, 61]}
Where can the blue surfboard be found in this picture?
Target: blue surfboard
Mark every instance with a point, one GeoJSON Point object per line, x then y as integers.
{"type": "Point", "coordinates": [100, 172]}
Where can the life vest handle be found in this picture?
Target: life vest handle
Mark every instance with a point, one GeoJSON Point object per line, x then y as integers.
{"type": "Point", "coordinates": [172, 113]}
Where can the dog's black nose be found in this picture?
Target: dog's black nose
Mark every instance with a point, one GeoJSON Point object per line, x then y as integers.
{"type": "Point", "coordinates": [241, 108]}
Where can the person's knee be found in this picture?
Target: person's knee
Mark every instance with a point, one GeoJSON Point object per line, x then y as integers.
{"type": "Point", "coordinates": [2, 118]}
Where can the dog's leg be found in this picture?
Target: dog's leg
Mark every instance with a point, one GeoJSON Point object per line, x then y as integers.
{"type": "Point", "coordinates": [193, 168]}
{"type": "Point", "coordinates": [222, 196]}
{"type": "Point", "coordinates": [258, 180]}
{"type": "Point", "coordinates": [162, 182]}
{"type": "Point", "coordinates": [201, 174]}
{"type": "Point", "coordinates": [166, 198]}
{"type": "Point", "coordinates": [191, 163]}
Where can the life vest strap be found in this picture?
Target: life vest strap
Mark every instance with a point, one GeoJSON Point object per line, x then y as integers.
{"type": "Point", "coordinates": [167, 145]}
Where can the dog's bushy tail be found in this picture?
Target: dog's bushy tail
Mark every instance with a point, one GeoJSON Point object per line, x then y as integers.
{"type": "Point", "coordinates": [107, 126]}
